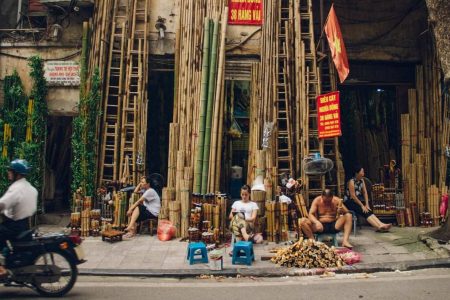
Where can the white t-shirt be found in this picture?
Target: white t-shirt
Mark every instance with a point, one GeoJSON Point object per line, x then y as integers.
{"type": "Point", "coordinates": [152, 201]}
{"type": "Point", "coordinates": [247, 207]}
{"type": "Point", "coordinates": [20, 200]}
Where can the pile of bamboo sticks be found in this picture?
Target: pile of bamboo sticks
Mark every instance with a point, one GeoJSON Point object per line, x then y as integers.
{"type": "Point", "coordinates": [308, 254]}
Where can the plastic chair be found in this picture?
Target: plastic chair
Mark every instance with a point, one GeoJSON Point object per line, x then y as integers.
{"type": "Point", "coordinates": [196, 249]}
{"type": "Point", "coordinates": [243, 253]}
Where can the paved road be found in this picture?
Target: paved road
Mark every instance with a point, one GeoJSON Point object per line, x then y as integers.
{"type": "Point", "coordinates": [423, 284]}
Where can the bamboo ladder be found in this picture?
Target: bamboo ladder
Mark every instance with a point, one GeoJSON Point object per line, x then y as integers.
{"type": "Point", "coordinates": [311, 142]}
{"type": "Point", "coordinates": [284, 158]}
{"type": "Point", "coordinates": [113, 94]}
{"type": "Point", "coordinates": [135, 97]}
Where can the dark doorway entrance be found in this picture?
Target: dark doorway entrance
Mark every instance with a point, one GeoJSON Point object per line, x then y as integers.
{"type": "Point", "coordinates": [58, 156]}
{"type": "Point", "coordinates": [160, 112]}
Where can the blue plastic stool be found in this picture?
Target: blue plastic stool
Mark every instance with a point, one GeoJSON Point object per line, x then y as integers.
{"type": "Point", "coordinates": [243, 253]}
{"type": "Point", "coordinates": [197, 249]}
{"type": "Point", "coordinates": [327, 236]}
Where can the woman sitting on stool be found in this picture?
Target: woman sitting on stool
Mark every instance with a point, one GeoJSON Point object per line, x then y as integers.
{"type": "Point", "coordinates": [355, 194]}
{"type": "Point", "coordinates": [146, 208]}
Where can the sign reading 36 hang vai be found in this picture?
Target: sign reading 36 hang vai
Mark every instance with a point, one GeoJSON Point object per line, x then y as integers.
{"type": "Point", "coordinates": [329, 115]}
{"type": "Point", "coordinates": [245, 12]}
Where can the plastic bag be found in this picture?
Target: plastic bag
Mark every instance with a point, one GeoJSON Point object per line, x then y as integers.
{"type": "Point", "coordinates": [166, 230]}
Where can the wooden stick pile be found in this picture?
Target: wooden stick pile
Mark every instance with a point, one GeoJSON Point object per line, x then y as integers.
{"type": "Point", "coordinates": [308, 254]}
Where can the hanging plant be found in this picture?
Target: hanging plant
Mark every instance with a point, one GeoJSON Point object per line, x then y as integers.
{"type": "Point", "coordinates": [33, 148]}
{"type": "Point", "coordinates": [84, 139]}
{"type": "Point", "coordinates": [12, 119]}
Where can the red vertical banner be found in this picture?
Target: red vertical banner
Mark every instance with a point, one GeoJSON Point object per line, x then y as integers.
{"type": "Point", "coordinates": [329, 115]}
{"type": "Point", "coordinates": [245, 12]}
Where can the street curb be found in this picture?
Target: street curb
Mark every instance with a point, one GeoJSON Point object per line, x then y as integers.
{"type": "Point", "coordinates": [272, 272]}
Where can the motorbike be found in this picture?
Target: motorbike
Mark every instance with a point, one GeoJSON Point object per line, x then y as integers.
{"type": "Point", "coordinates": [45, 263]}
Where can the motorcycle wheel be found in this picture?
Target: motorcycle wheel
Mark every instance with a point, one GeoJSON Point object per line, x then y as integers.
{"type": "Point", "coordinates": [69, 273]}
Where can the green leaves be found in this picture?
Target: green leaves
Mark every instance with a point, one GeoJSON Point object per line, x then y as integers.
{"type": "Point", "coordinates": [84, 139]}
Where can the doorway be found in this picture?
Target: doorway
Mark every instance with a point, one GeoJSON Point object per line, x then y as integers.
{"type": "Point", "coordinates": [160, 114]}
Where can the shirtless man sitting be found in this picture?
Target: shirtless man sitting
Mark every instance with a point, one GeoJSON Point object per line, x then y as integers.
{"type": "Point", "coordinates": [327, 215]}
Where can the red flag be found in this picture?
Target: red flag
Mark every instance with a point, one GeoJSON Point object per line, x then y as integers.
{"type": "Point", "coordinates": [336, 42]}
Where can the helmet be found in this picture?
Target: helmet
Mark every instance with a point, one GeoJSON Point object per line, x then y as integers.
{"type": "Point", "coordinates": [20, 166]}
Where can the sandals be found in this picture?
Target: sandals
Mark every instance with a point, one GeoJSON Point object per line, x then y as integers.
{"type": "Point", "coordinates": [129, 235]}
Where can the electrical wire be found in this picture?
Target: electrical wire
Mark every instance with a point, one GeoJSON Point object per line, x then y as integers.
{"type": "Point", "coordinates": [72, 55]}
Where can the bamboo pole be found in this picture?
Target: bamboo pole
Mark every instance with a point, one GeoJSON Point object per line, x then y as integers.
{"type": "Point", "coordinates": [219, 99]}
{"type": "Point", "coordinates": [203, 104]}
{"type": "Point", "coordinates": [209, 110]}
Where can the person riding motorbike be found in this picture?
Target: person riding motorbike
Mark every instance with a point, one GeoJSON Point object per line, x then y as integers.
{"type": "Point", "coordinates": [17, 204]}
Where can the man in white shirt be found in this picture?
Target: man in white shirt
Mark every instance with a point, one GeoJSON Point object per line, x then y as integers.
{"type": "Point", "coordinates": [17, 204]}
{"type": "Point", "coordinates": [147, 207]}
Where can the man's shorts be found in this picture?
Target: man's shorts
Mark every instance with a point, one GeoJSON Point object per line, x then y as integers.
{"type": "Point", "coordinates": [329, 227]}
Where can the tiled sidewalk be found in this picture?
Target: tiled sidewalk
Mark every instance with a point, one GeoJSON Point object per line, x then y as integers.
{"type": "Point", "coordinates": [146, 252]}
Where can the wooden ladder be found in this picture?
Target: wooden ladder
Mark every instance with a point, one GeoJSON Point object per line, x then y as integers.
{"type": "Point", "coordinates": [283, 93]}
{"type": "Point", "coordinates": [131, 149]}
{"type": "Point", "coordinates": [110, 135]}
{"type": "Point", "coordinates": [312, 144]}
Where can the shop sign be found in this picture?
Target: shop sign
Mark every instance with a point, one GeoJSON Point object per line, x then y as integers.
{"type": "Point", "coordinates": [245, 12]}
{"type": "Point", "coordinates": [329, 115]}
{"type": "Point", "coordinates": [62, 73]}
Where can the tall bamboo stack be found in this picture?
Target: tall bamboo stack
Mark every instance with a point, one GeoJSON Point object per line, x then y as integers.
{"type": "Point", "coordinates": [193, 164]}
{"type": "Point", "coordinates": [424, 137]}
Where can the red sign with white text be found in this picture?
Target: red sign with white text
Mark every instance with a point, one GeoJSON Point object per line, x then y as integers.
{"type": "Point", "coordinates": [329, 115]}
{"type": "Point", "coordinates": [245, 12]}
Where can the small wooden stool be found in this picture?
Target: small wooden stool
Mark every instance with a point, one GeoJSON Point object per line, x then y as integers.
{"type": "Point", "coordinates": [112, 236]}
{"type": "Point", "coordinates": [152, 226]}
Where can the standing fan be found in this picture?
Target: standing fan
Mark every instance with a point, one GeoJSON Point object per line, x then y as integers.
{"type": "Point", "coordinates": [156, 180]}
{"type": "Point", "coordinates": [313, 165]}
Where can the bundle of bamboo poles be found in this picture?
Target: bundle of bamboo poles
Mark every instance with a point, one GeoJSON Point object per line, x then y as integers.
{"type": "Point", "coordinates": [425, 134]}
{"type": "Point", "coordinates": [175, 216]}
{"type": "Point", "coordinates": [434, 199]}
{"type": "Point", "coordinates": [85, 223]}
{"type": "Point", "coordinates": [271, 227]}
{"type": "Point", "coordinates": [284, 223]}
{"type": "Point", "coordinates": [185, 207]}
{"type": "Point", "coordinates": [196, 132]}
